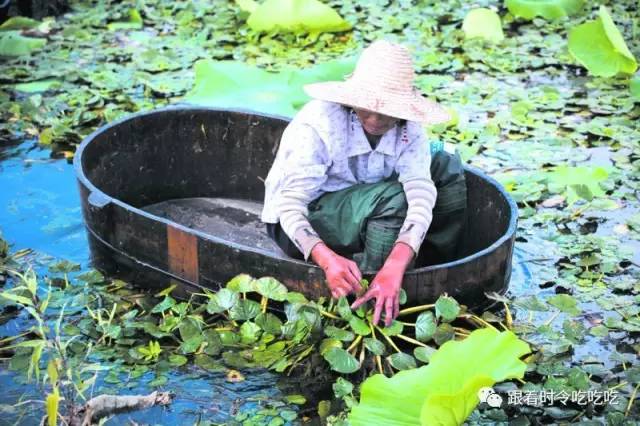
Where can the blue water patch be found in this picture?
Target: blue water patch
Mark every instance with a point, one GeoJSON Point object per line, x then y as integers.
{"type": "Point", "coordinates": [40, 203]}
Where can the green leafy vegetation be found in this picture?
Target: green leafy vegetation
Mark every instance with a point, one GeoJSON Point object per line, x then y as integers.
{"type": "Point", "coordinates": [563, 142]}
{"type": "Point", "coordinates": [446, 390]}
{"type": "Point", "coordinates": [297, 16]}
{"type": "Point", "coordinates": [599, 46]}
{"type": "Point", "coordinates": [483, 23]}
{"type": "Point", "coordinates": [548, 9]}
{"type": "Point", "coordinates": [227, 84]}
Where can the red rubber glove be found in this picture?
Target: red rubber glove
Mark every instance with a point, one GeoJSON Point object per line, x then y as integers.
{"type": "Point", "coordinates": [386, 285]}
{"type": "Point", "coordinates": [343, 275]}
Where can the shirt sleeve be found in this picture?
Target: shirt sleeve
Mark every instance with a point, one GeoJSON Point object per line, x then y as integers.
{"type": "Point", "coordinates": [306, 160]}
{"type": "Point", "coordinates": [413, 168]}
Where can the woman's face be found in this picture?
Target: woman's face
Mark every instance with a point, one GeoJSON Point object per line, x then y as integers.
{"type": "Point", "coordinates": [374, 123]}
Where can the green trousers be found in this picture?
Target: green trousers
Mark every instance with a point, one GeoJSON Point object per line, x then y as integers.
{"type": "Point", "coordinates": [363, 221]}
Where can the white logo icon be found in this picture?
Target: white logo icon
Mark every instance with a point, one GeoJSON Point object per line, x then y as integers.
{"type": "Point", "coordinates": [489, 396]}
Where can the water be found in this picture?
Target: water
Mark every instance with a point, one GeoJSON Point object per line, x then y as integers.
{"type": "Point", "coordinates": [40, 210]}
{"type": "Point", "coordinates": [40, 204]}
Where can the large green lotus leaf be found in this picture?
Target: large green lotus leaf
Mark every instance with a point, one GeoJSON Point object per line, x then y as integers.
{"type": "Point", "coordinates": [599, 46]}
{"type": "Point", "coordinates": [453, 409]}
{"type": "Point", "coordinates": [230, 84]}
{"type": "Point", "coordinates": [19, 23]}
{"type": "Point", "coordinates": [447, 387]}
{"type": "Point", "coordinates": [577, 182]}
{"type": "Point", "coordinates": [14, 44]}
{"type": "Point", "coordinates": [336, 69]}
{"type": "Point", "coordinates": [548, 9]}
{"type": "Point", "coordinates": [483, 23]}
{"type": "Point", "coordinates": [297, 16]}
{"type": "Point", "coordinates": [247, 5]}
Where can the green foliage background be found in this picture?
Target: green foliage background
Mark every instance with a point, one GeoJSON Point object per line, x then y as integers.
{"type": "Point", "coordinates": [564, 143]}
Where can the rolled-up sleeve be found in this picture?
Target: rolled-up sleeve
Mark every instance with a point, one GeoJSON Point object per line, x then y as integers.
{"type": "Point", "coordinates": [305, 160]}
{"type": "Point", "coordinates": [413, 168]}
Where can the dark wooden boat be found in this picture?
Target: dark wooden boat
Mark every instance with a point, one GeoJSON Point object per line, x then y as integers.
{"type": "Point", "coordinates": [174, 195]}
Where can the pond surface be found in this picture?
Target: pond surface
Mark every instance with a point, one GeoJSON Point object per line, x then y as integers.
{"type": "Point", "coordinates": [40, 210]}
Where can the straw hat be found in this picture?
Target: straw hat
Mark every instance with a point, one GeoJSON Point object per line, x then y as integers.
{"type": "Point", "coordinates": [383, 82]}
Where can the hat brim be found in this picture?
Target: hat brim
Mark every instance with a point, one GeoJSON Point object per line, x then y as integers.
{"type": "Point", "coordinates": [413, 107]}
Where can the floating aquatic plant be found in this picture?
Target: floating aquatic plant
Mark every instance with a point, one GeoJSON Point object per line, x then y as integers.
{"type": "Point", "coordinates": [600, 47]}
{"type": "Point", "coordinates": [297, 16]}
{"type": "Point", "coordinates": [483, 23]}
{"type": "Point", "coordinates": [133, 23]}
{"type": "Point", "coordinates": [13, 43]}
{"type": "Point", "coordinates": [548, 9]}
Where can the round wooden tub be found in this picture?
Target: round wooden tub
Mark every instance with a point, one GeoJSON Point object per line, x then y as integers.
{"type": "Point", "coordinates": [174, 195]}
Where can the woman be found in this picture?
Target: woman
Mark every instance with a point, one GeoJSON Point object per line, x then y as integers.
{"type": "Point", "coordinates": [351, 186]}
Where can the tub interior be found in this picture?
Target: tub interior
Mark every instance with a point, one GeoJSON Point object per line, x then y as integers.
{"type": "Point", "coordinates": [184, 165]}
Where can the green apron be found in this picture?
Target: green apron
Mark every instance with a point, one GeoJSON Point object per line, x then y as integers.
{"type": "Point", "coordinates": [363, 221]}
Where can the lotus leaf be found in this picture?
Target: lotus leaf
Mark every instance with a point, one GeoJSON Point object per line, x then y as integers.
{"type": "Point", "coordinates": [599, 46]}
{"type": "Point", "coordinates": [445, 391]}
{"type": "Point", "coordinates": [483, 23]}
{"type": "Point", "coordinates": [14, 44]}
{"type": "Point", "coordinates": [236, 85]}
{"type": "Point", "coordinates": [548, 9]}
{"type": "Point", "coordinates": [19, 23]}
{"type": "Point", "coordinates": [297, 16]}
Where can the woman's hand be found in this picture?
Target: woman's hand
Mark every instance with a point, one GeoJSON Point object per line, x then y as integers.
{"type": "Point", "coordinates": [386, 285]}
{"type": "Point", "coordinates": [342, 274]}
